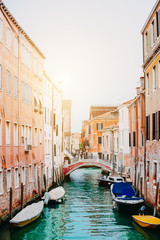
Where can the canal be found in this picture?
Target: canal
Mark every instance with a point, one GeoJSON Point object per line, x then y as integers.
{"type": "Point", "coordinates": [86, 214]}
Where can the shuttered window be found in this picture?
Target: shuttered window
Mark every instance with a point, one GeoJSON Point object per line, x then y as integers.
{"type": "Point", "coordinates": [154, 77]}
{"type": "Point", "coordinates": [15, 86]}
{"type": "Point", "coordinates": [1, 30]}
{"type": "Point", "coordinates": [153, 126]}
{"type": "Point", "coordinates": [158, 22]}
{"type": "Point", "coordinates": [8, 81]}
{"type": "Point", "coordinates": [147, 127]}
{"type": "Point", "coordinates": [0, 76]}
{"type": "Point", "coordinates": [57, 130]}
{"type": "Point", "coordinates": [99, 140]}
{"type": "Point", "coordinates": [54, 149]}
{"type": "Point", "coordinates": [134, 139]}
{"type": "Point", "coordinates": [129, 139]}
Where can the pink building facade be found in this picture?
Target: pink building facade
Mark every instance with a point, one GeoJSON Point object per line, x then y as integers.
{"type": "Point", "coordinates": [21, 113]}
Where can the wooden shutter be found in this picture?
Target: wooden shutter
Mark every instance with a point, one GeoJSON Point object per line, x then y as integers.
{"type": "Point", "coordinates": [158, 125]}
{"type": "Point", "coordinates": [101, 125]}
{"type": "Point", "coordinates": [129, 139]}
{"type": "Point", "coordinates": [158, 22]}
{"type": "Point", "coordinates": [97, 126]}
{"type": "Point", "coordinates": [149, 127]}
{"type": "Point", "coordinates": [146, 127]}
{"type": "Point", "coordinates": [153, 126]}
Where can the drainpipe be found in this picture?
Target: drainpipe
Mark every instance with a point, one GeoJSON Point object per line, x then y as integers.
{"type": "Point", "coordinates": [52, 139]}
{"type": "Point", "coordinates": [19, 98]}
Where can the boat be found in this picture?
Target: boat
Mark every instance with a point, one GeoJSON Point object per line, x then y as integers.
{"type": "Point", "coordinates": [124, 198]}
{"type": "Point", "coordinates": [28, 214]}
{"type": "Point", "coordinates": [56, 195]}
{"type": "Point", "coordinates": [107, 181]}
{"type": "Point", "coordinates": [146, 221]}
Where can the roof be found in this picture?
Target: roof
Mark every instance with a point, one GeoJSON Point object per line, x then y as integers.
{"type": "Point", "coordinates": [104, 116]}
{"type": "Point", "coordinates": [111, 127]}
{"type": "Point", "coordinates": [150, 15]}
{"type": "Point", "coordinates": [126, 103]}
{"type": "Point", "coordinates": [4, 8]}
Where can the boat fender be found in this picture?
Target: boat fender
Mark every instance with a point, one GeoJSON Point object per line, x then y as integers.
{"type": "Point", "coordinates": [46, 198]}
{"type": "Point", "coordinates": [59, 200]}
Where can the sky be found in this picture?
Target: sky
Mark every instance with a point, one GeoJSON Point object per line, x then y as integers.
{"type": "Point", "coordinates": [94, 47]}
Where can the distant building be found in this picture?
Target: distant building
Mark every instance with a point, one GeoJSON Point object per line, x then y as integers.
{"type": "Point", "coordinates": [92, 134]}
{"type": "Point", "coordinates": [75, 142]}
{"type": "Point", "coordinates": [67, 108]}
{"type": "Point", "coordinates": [124, 153]}
{"type": "Point", "coordinates": [97, 110]}
{"type": "Point", "coordinates": [110, 145]}
{"type": "Point", "coordinates": [151, 67]}
{"type": "Point", "coordinates": [135, 168]}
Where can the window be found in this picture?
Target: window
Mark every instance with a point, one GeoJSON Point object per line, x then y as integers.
{"type": "Point", "coordinates": [155, 126]}
{"type": "Point", "coordinates": [99, 140]}
{"type": "Point", "coordinates": [26, 93]}
{"type": "Point", "coordinates": [134, 139]}
{"type": "Point", "coordinates": [35, 174]}
{"type": "Point", "coordinates": [57, 130]}
{"type": "Point", "coordinates": [23, 175]}
{"type": "Point", "coordinates": [40, 136]}
{"type": "Point", "coordinates": [147, 127]}
{"type": "Point", "coordinates": [154, 173]}
{"type": "Point", "coordinates": [158, 125]}
{"type": "Point", "coordinates": [147, 84]}
{"type": "Point", "coordinates": [55, 150]}
{"type": "Point", "coordinates": [8, 82]}
{"type": "Point", "coordinates": [16, 46]}
{"type": "Point", "coordinates": [1, 182]}
{"type": "Point", "coordinates": [35, 137]}
{"type": "Point", "coordinates": [1, 30]}
{"type": "Point", "coordinates": [146, 43]}
{"type": "Point", "coordinates": [22, 134]}
{"type": "Point", "coordinates": [107, 141]}
{"type": "Point", "coordinates": [103, 141]}
{"type": "Point", "coordinates": [0, 76]}
{"type": "Point", "coordinates": [9, 183]}
{"type": "Point", "coordinates": [0, 132]}
{"type": "Point", "coordinates": [99, 126]}
{"type": "Point", "coordinates": [153, 32]}
{"type": "Point", "coordinates": [147, 175]}
{"type": "Point", "coordinates": [142, 139]}
{"type": "Point", "coordinates": [15, 134]}
{"type": "Point", "coordinates": [89, 129]}
{"type": "Point", "coordinates": [30, 136]}
{"type": "Point", "coordinates": [8, 134]}
{"type": "Point", "coordinates": [8, 38]}
{"type": "Point", "coordinates": [154, 77]}
{"type": "Point", "coordinates": [158, 22]}
{"type": "Point", "coordinates": [16, 178]}
{"type": "Point", "coordinates": [129, 139]}
{"type": "Point", "coordinates": [30, 173]}
{"type": "Point", "coordinates": [15, 87]}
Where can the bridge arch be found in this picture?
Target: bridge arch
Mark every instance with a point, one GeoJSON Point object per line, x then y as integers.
{"type": "Point", "coordinates": [72, 167]}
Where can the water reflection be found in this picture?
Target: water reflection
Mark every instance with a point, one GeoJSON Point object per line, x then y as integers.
{"type": "Point", "coordinates": [86, 214]}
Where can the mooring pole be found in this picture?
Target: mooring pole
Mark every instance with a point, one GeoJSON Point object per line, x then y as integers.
{"type": "Point", "coordinates": [10, 203]}
{"type": "Point", "coordinates": [156, 199]}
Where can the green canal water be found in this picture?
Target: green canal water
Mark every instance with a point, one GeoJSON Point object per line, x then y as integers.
{"type": "Point", "coordinates": [86, 214]}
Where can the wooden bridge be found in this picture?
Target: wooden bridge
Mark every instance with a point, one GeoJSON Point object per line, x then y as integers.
{"type": "Point", "coordinates": [76, 163]}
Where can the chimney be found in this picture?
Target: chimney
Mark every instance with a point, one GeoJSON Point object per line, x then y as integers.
{"type": "Point", "coordinates": [138, 90]}
{"type": "Point", "coordinates": [141, 84]}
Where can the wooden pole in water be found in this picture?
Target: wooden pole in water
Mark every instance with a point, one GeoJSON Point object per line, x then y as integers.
{"type": "Point", "coordinates": [44, 178]}
{"type": "Point", "coordinates": [38, 185]}
{"type": "Point", "coordinates": [141, 187]}
{"type": "Point", "coordinates": [137, 188]}
{"type": "Point", "coordinates": [21, 195]}
{"type": "Point", "coordinates": [156, 199]}
{"type": "Point", "coordinates": [10, 203]}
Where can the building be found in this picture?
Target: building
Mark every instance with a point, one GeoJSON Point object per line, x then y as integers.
{"type": "Point", "coordinates": [135, 167]}
{"type": "Point", "coordinates": [58, 129]}
{"type": "Point", "coordinates": [93, 134]}
{"type": "Point", "coordinates": [48, 130]}
{"type": "Point", "coordinates": [124, 152]}
{"type": "Point", "coordinates": [67, 104]}
{"type": "Point", "coordinates": [75, 143]}
{"type": "Point", "coordinates": [110, 145]}
{"type": "Point", "coordinates": [151, 67]}
{"type": "Point", "coordinates": [21, 113]}
{"type": "Point", "coordinates": [97, 110]}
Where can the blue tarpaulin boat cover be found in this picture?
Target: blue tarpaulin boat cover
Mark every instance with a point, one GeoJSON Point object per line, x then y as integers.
{"type": "Point", "coordinates": [123, 188]}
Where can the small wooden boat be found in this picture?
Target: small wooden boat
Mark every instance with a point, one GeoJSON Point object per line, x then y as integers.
{"type": "Point", "coordinates": [124, 198]}
{"type": "Point", "coordinates": [56, 195]}
{"type": "Point", "coordinates": [107, 181]}
{"type": "Point", "coordinates": [146, 221]}
{"type": "Point", "coordinates": [27, 214]}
